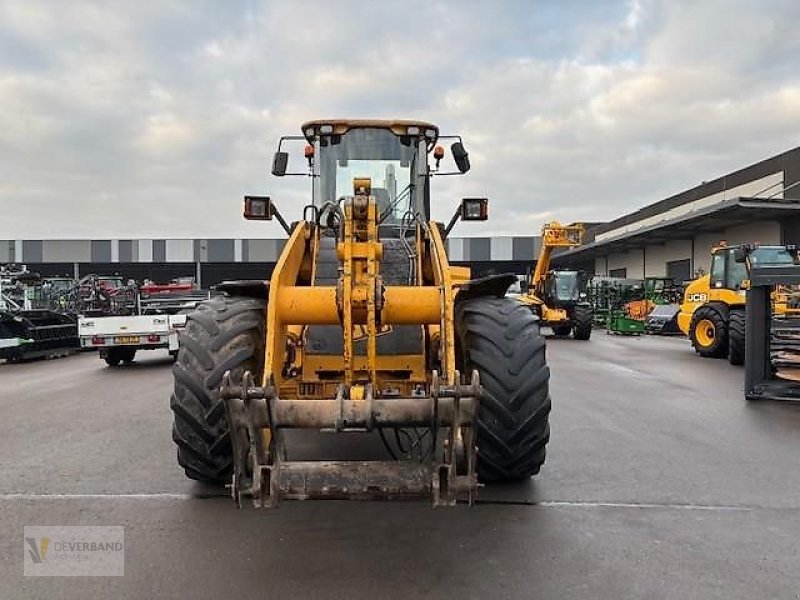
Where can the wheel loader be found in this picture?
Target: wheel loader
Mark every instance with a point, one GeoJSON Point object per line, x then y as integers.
{"type": "Point", "coordinates": [363, 329]}
{"type": "Point", "coordinates": [712, 313]}
{"type": "Point", "coordinates": [558, 297]}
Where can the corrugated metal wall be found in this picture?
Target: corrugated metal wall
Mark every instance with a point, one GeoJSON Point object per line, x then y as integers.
{"type": "Point", "coordinates": [225, 251]}
{"type": "Point", "coordinates": [216, 260]}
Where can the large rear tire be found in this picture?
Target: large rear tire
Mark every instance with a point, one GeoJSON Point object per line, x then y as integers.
{"type": "Point", "coordinates": [736, 336]}
{"type": "Point", "coordinates": [708, 332]}
{"type": "Point", "coordinates": [583, 317]}
{"type": "Point", "coordinates": [223, 334]}
{"type": "Point", "coordinates": [500, 338]}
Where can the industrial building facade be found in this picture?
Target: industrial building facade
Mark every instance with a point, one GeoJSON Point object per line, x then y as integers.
{"type": "Point", "coordinates": [213, 260]}
{"type": "Point", "coordinates": [673, 238]}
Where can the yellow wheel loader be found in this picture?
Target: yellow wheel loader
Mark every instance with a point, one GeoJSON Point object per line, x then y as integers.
{"type": "Point", "coordinates": [363, 329]}
{"type": "Point", "coordinates": [558, 297]}
{"type": "Point", "coordinates": [712, 313]}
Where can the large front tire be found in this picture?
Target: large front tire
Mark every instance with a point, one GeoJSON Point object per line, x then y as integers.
{"type": "Point", "coordinates": [583, 317]}
{"type": "Point", "coordinates": [708, 332]}
{"type": "Point", "coordinates": [500, 338]}
{"type": "Point", "coordinates": [736, 329]}
{"type": "Point", "coordinates": [223, 334]}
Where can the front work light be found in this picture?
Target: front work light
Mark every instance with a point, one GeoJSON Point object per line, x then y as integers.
{"type": "Point", "coordinates": [257, 208]}
{"type": "Point", "coordinates": [475, 209]}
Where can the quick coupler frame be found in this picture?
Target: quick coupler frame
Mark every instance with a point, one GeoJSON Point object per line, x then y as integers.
{"type": "Point", "coordinates": [257, 417]}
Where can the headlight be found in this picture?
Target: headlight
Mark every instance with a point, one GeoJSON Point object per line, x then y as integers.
{"type": "Point", "coordinates": [257, 208]}
{"type": "Point", "coordinates": [474, 209]}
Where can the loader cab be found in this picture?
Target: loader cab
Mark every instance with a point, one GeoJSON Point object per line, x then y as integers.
{"type": "Point", "coordinates": [564, 288]}
{"type": "Point", "coordinates": [393, 156]}
{"type": "Point", "coordinates": [388, 159]}
{"type": "Point", "coordinates": [726, 272]}
{"type": "Point", "coordinates": [730, 266]}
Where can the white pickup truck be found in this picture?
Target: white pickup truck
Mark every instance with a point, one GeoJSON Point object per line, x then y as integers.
{"type": "Point", "coordinates": [119, 337]}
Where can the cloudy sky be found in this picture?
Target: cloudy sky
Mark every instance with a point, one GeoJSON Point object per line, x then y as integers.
{"type": "Point", "coordinates": [153, 118]}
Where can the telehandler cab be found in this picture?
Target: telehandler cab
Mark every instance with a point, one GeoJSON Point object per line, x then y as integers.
{"type": "Point", "coordinates": [363, 327]}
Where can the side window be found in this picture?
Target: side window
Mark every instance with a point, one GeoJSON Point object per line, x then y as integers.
{"type": "Point", "coordinates": [718, 270]}
{"type": "Point", "coordinates": [737, 272]}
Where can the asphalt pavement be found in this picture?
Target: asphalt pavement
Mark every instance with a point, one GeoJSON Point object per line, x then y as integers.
{"type": "Point", "coordinates": [661, 482]}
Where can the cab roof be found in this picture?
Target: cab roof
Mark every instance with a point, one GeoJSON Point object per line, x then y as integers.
{"type": "Point", "coordinates": [397, 126]}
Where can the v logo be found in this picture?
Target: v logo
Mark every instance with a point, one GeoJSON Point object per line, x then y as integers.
{"type": "Point", "coordinates": [37, 557]}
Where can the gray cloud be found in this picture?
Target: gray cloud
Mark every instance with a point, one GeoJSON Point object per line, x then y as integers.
{"type": "Point", "coordinates": [154, 120]}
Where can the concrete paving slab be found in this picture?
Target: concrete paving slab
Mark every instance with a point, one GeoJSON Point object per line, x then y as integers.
{"type": "Point", "coordinates": [661, 482]}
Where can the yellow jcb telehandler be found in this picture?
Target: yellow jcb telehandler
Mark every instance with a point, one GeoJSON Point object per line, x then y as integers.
{"type": "Point", "coordinates": [363, 329]}
{"type": "Point", "coordinates": [712, 313]}
{"type": "Point", "coordinates": [558, 297]}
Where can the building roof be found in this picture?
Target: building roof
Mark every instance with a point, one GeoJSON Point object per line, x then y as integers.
{"type": "Point", "coordinates": [711, 218]}
{"type": "Point", "coordinates": [788, 162]}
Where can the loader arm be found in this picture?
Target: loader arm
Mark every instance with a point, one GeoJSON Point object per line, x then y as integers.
{"type": "Point", "coordinates": [365, 392]}
{"type": "Point", "coordinates": [542, 265]}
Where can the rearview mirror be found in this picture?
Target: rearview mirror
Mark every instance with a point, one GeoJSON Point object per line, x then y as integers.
{"type": "Point", "coordinates": [258, 208]}
{"type": "Point", "coordinates": [739, 255]}
{"type": "Point", "coordinates": [461, 156]}
{"type": "Point", "coordinates": [474, 209]}
{"type": "Point", "coordinates": [279, 163]}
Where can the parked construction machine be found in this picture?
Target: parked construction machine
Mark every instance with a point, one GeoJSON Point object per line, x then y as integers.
{"type": "Point", "coordinates": [712, 313]}
{"type": "Point", "coordinates": [772, 347]}
{"type": "Point", "coordinates": [558, 297]}
{"type": "Point", "coordinates": [28, 327]}
{"type": "Point", "coordinates": [363, 329]}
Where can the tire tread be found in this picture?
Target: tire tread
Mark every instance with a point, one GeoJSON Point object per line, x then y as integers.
{"type": "Point", "coordinates": [736, 337]}
{"type": "Point", "coordinates": [223, 333]}
{"type": "Point", "coordinates": [500, 338]}
{"type": "Point", "coordinates": [583, 317]}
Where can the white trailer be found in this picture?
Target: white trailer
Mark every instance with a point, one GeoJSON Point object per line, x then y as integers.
{"type": "Point", "coordinates": [119, 337]}
{"type": "Point", "coordinates": [156, 320]}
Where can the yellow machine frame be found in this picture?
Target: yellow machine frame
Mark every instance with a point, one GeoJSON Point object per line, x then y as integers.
{"type": "Point", "coordinates": [714, 332]}
{"type": "Point", "coordinates": [700, 292]}
{"type": "Point", "coordinates": [356, 391]}
{"type": "Point", "coordinates": [554, 236]}
{"type": "Point", "coordinates": [294, 303]}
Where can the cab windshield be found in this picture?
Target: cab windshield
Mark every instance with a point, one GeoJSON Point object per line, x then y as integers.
{"type": "Point", "coordinates": [385, 158]}
{"type": "Point", "coordinates": [764, 255]}
{"type": "Point", "coordinates": [565, 286]}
